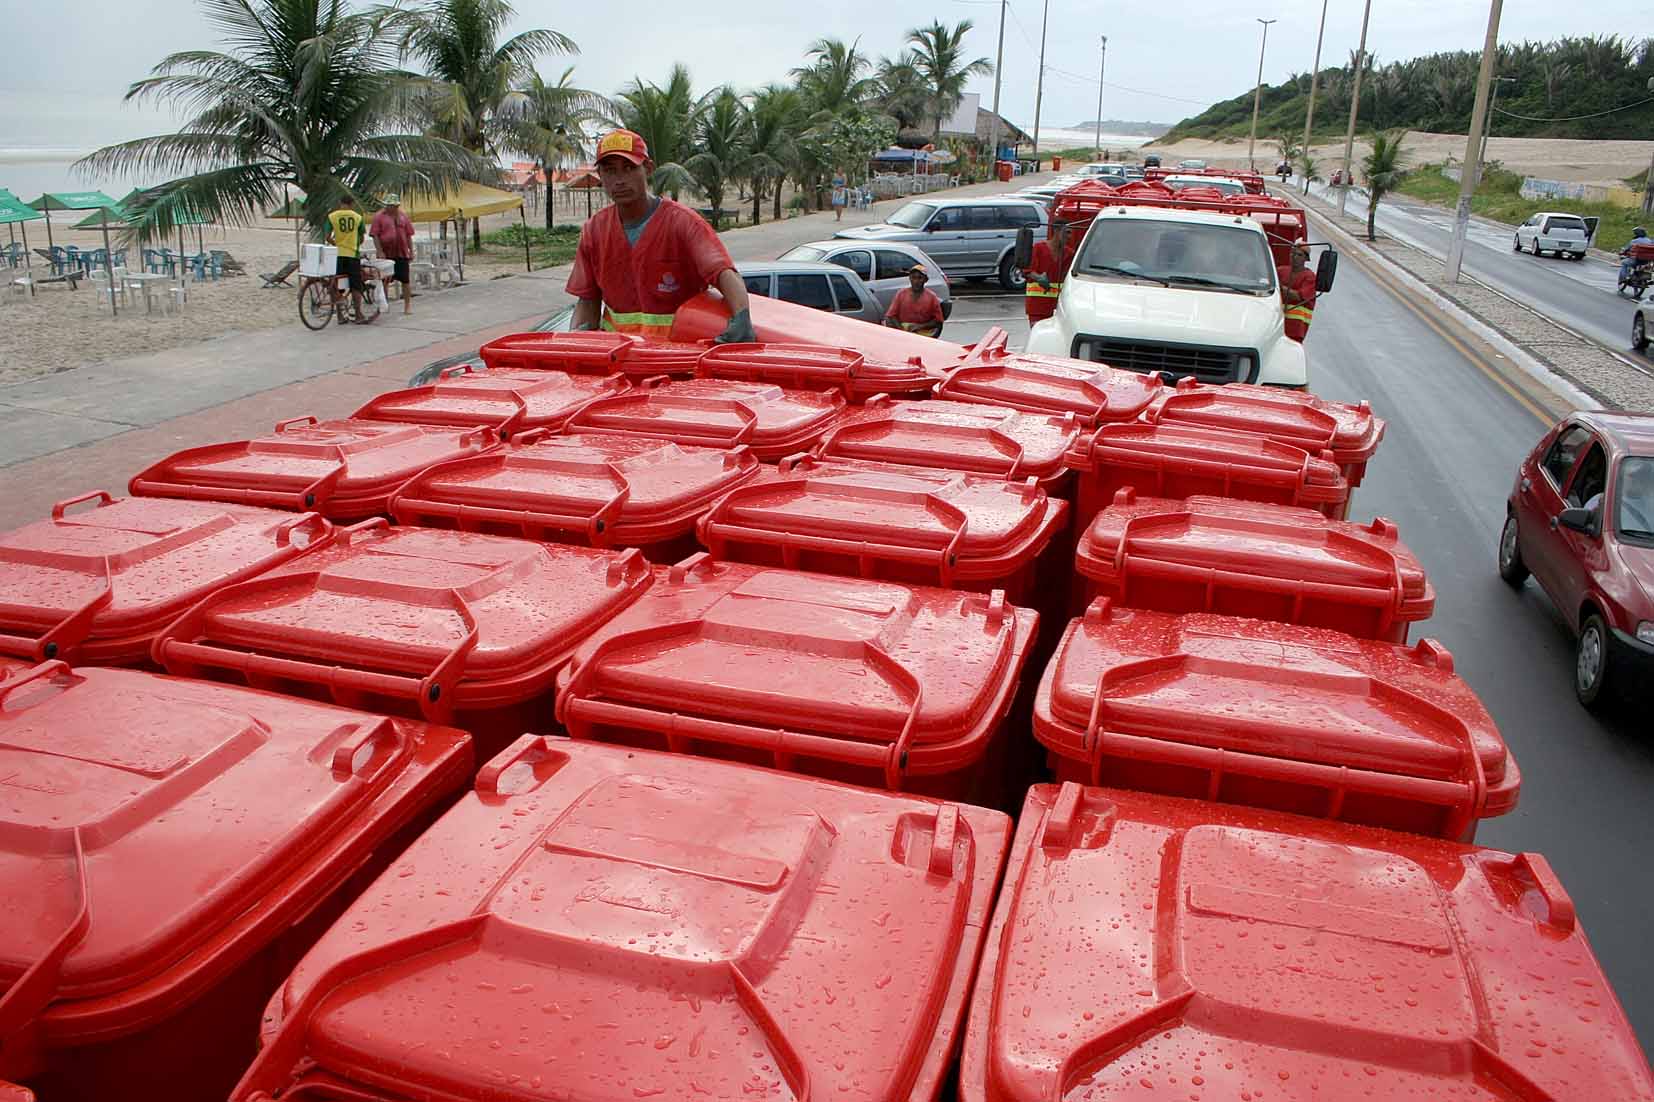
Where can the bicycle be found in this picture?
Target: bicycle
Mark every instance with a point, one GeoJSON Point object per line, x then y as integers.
{"type": "Point", "coordinates": [321, 297]}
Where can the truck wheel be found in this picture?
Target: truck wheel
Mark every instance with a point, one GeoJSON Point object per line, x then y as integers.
{"type": "Point", "coordinates": [1010, 276]}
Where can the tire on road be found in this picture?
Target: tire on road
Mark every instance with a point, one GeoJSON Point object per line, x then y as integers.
{"type": "Point", "coordinates": [1639, 332]}
{"type": "Point", "coordinates": [1511, 567]}
{"type": "Point", "coordinates": [1593, 662]}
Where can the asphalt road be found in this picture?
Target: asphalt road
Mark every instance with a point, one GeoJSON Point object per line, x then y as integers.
{"type": "Point", "coordinates": [1578, 293]}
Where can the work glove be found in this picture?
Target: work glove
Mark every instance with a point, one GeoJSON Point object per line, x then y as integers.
{"type": "Point", "coordinates": [1043, 282]}
{"type": "Point", "coordinates": [739, 329]}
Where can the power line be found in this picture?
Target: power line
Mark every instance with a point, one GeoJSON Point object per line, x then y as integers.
{"type": "Point", "coordinates": [1576, 118]}
{"type": "Point", "coordinates": [1124, 88]}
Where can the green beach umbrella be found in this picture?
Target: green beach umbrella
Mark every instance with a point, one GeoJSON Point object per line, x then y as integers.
{"type": "Point", "coordinates": [104, 207]}
{"type": "Point", "coordinates": [15, 212]}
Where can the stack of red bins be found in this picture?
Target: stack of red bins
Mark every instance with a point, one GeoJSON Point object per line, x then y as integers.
{"type": "Point", "coordinates": [511, 400]}
{"type": "Point", "coordinates": [592, 354]}
{"type": "Point", "coordinates": [720, 413]}
{"type": "Point", "coordinates": [812, 367]}
{"type": "Point", "coordinates": [1095, 393]}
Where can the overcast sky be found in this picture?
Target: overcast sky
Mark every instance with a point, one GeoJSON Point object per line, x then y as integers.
{"type": "Point", "coordinates": [67, 64]}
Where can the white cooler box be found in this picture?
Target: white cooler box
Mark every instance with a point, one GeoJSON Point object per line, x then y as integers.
{"type": "Point", "coordinates": [319, 260]}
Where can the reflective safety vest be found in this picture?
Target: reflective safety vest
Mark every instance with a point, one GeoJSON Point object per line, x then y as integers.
{"type": "Point", "coordinates": [1301, 313]}
{"type": "Point", "coordinates": [1038, 302]}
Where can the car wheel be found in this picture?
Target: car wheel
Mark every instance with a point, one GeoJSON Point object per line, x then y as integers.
{"type": "Point", "coordinates": [1639, 332]}
{"type": "Point", "coordinates": [1516, 243]}
{"type": "Point", "coordinates": [1579, 256]}
{"type": "Point", "coordinates": [1511, 567]}
{"type": "Point", "coordinates": [1010, 276]}
{"type": "Point", "coordinates": [1536, 251]}
{"type": "Point", "coordinates": [1593, 658]}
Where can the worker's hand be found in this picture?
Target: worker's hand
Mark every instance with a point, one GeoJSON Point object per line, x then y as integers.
{"type": "Point", "coordinates": [589, 327]}
{"type": "Point", "coordinates": [739, 329]}
{"type": "Point", "coordinates": [1044, 282]}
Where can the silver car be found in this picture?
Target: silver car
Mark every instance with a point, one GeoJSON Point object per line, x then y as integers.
{"type": "Point", "coordinates": [812, 283]}
{"type": "Point", "coordinates": [882, 267]}
{"type": "Point", "coordinates": [969, 238]}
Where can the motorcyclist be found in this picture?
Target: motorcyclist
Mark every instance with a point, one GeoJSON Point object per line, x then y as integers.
{"type": "Point", "coordinates": [1639, 236]}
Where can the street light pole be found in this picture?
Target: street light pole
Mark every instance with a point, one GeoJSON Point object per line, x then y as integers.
{"type": "Point", "coordinates": [1039, 84]}
{"type": "Point", "coordinates": [999, 64]}
{"type": "Point", "coordinates": [1257, 95]}
{"type": "Point", "coordinates": [1314, 80]}
{"type": "Point", "coordinates": [1101, 69]}
{"type": "Point", "coordinates": [1355, 106]}
{"type": "Point", "coordinates": [1472, 162]}
{"type": "Point", "coordinates": [1493, 108]}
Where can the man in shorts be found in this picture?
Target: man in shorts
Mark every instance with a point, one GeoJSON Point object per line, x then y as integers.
{"type": "Point", "coordinates": [393, 232]}
{"type": "Point", "coordinates": [344, 231]}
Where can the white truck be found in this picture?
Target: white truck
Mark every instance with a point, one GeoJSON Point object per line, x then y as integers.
{"type": "Point", "coordinates": [1181, 285]}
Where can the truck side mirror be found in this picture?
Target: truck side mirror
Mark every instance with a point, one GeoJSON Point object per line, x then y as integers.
{"type": "Point", "coordinates": [1024, 253]}
{"type": "Point", "coordinates": [1326, 269]}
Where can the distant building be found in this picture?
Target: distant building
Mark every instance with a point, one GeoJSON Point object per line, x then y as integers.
{"type": "Point", "coordinates": [974, 121]}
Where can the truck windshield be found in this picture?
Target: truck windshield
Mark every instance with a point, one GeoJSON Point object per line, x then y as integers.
{"type": "Point", "coordinates": [1635, 517]}
{"type": "Point", "coordinates": [1233, 257]}
{"type": "Point", "coordinates": [913, 216]}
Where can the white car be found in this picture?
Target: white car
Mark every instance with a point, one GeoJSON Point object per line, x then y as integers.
{"type": "Point", "coordinates": [1226, 184]}
{"type": "Point", "coordinates": [1554, 232]}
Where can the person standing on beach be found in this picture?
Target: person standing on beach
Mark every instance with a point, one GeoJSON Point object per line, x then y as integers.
{"type": "Point", "coordinates": [345, 233]}
{"type": "Point", "coordinates": [841, 196]}
{"type": "Point", "coordinates": [645, 256]}
{"type": "Point", "coordinates": [393, 232]}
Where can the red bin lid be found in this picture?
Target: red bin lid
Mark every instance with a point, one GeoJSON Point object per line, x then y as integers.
{"type": "Point", "coordinates": [1350, 432]}
{"type": "Point", "coordinates": [1277, 701]}
{"type": "Point", "coordinates": [651, 357]}
{"type": "Point", "coordinates": [968, 527]}
{"type": "Point", "coordinates": [449, 619]}
{"type": "Point", "coordinates": [1153, 948]}
{"type": "Point", "coordinates": [956, 436]}
{"type": "Point", "coordinates": [1158, 455]}
{"type": "Point", "coordinates": [169, 828]}
{"type": "Point", "coordinates": [814, 367]}
{"type": "Point", "coordinates": [509, 399]}
{"type": "Point", "coordinates": [581, 353]}
{"type": "Point", "coordinates": [346, 469]}
{"type": "Point", "coordinates": [634, 925]}
{"type": "Point", "coordinates": [98, 583]}
{"type": "Point", "coordinates": [717, 413]}
{"type": "Point", "coordinates": [600, 489]}
{"type": "Point", "coordinates": [1050, 384]}
{"type": "Point", "coordinates": [1227, 544]}
{"type": "Point", "coordinates": [871, 673]}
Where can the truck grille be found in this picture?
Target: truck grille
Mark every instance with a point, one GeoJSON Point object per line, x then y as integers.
{"type": "Point", "coordinates": [1175, 361]}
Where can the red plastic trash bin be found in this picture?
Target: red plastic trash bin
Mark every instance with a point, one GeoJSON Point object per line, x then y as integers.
{"type": "Point", "coordinates": [1271, 715]}
{"type": "Point", "coordinates": [877, 683]}
{"type": "Point", "coordinates": [815, 367]}
{"type": "Point", "coordinates": [346, 470]}
{"type": "Point", "coordinates": [95, 586]}
{"type": "Point", "coordinates": [1174, 461]}
{"type": "Point", "coordinates": [170, 849]}
{"type": "Point", "coordinates": [958, 436]}
{"type": "Point", "coordinates": [633, 925]}
{"type": "Point", "coordinates": [1004, 170]}
{"type": "Point", "coordinates": [581, 353]}
{"type": "Point", "coordinates": [448, 626]}
{"type": "Point", "coordinates": [1243, 558]}
{"type": "Point", "coordinates": [1093, 392]}
{"type": "Point", "coordinates": [1350, 432]}
{"type": "Point", "coordinates": [1159, 949]}
{"type": "Point", "coordinates": [717, 413]}
{"type": "Point", "coordinates": [901, 524]}
{"type": "Point", "coordinates": [601, 490]}
{"type": "Point", "coordinates": [510, 400]}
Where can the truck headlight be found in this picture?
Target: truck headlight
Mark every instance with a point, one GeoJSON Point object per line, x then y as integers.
{"type": "Point", "coordinates": [1645, 632]}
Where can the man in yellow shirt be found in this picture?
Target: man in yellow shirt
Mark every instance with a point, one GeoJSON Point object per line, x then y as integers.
{"type": "Point", "coordinates": [345, 231]}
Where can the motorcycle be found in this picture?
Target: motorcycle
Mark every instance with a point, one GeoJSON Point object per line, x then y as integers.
{"type": "Point", "coordinates": [1635, 281]}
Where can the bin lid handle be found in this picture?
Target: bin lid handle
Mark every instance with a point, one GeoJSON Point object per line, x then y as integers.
{"type": "Point", "coordinates": [34, 989]}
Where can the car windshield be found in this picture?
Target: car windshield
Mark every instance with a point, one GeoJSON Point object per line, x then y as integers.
{"type": "Point", "coordinates": [913, 216]}
{"type": "Point", "coordinates": [803, 252]}
{"type": "Point", "coordinates": [1234, 257]}
{"type": "Point", "coordinates": [1635, 516]}
{"type": "Point", "coordinates": [1566, 223]}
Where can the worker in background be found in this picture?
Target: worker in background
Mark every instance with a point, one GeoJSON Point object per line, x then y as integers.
{"type": "Point", "coordinates": [642, 258]}
{"type": "Point", "coordinates": [1044, 275]}
{"type": "Point", "coordinates": [1298, 293]}
{"type": "Point", "coordinates": [916, 309]}
{"type": "Point", "coordinates": [1639, 236]}
{"type": "Point", "coordinates": [344, 232]}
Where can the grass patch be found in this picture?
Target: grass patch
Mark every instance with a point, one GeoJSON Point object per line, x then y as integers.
{"type": "Point", "coordinates": [1498, 196]}
{"type": "Point", "coordinates": [549, 248]}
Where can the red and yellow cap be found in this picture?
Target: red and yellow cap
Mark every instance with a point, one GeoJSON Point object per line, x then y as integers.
{"type": "Point", "coordinates": [623, 143]}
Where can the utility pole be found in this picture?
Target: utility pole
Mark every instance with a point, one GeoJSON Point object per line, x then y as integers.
{"type": "Point", "coordinates": [1314, 80]}
{"type": "Point", "coordinates": [999, 64]}
{"type": "Point", "coordinates": [1355, 106]}
{"type": "Point", "coordinates": [1487, 131]}
{"type": "Point", "coordinates": [1472, 163]}
{"type": "Point", "coordinates": [1257, 95]}
{"type": "Point", "coordinates": [1101, 69]}
{"type": "Point", "coordinates": [1039, 84]}
{"type": "Point", "coordinates": [1648, 185]}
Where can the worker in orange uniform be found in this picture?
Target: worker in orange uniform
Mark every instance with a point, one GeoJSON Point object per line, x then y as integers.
{"type": "Point", "coordinates": [1298, 293]}
{"type": "Point", "coordinates": [642, 258]}
{"type": "Point", "coordinates": [916, 309]}
{"type": "Point", "coordinates": [1044, 275]}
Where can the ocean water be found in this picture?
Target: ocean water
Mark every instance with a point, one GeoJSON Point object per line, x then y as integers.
{"type": "Point", "coordinates": [1059, 137]}
{"type": "Point", "coordinates": [29, 171]}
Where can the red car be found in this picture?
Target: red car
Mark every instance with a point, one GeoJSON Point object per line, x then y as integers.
{"type": "Point", "coordinates": [1581, 520]}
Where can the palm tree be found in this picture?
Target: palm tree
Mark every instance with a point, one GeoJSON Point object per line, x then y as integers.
{"type": "Point", "coordinates": [777, 117]}
{"type": "Point", "coordinates": [304, 99]}
{"type": "Point", "coordinates": [723, 142]}
{"type": "Point", "coordinates": [1310, 169]}
{"type": "Point", "coordinates": [1384, 168]}
{"type": "Point", "coordinates": [938, 55]}
{"type": "Point", "coordinates": [667, 117]}
{"type": "Point", "coordinates": [835, 79]}
{"type": "Point", "coordinates": [547, 122]}
{"type": "Point", "coordinates": [903, 91]}
{"type": "Point", "coordinates": [471, 74]}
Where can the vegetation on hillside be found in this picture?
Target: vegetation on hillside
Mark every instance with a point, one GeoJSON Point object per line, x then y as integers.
{"type": "Point", "coordinates": [1552, 84]}
{"type": "Point", "coordinates": [1498, 196]}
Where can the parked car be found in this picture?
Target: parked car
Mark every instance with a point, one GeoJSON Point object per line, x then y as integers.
{"type": "Point", "coordinates": [1225, 184]}
{"type": "Point", "coordinates": [1562, 234]}
{"type": "Point", "coordinates": [830, 287]}
{"type": "Point", "coordinates": [1191, 165]}
{"type": "Point", "coordinates": [1151, 160]}
{"type": "Point", "coordinates": [1109, 173]}
{"type": "Point", "coordinates": [882, 267]}
{"type": "Point", "coordinates": [969, 238]}
{"type": "Point", "coordinates": [1580, 521]}
{"type": "Point", "coordinates": [1639, 331]}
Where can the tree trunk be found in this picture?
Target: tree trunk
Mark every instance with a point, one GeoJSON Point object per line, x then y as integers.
{"type": "Point", "coordinates": [476, 235]}
{"type": "Point", "coordinates": [545, 170]}
{"type": "Point", "coordinates": [757, 201]}
{"type": "Point", "coordinates": [776, 210]}
{"type": "Point", "coordinates": [1372, 212]}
